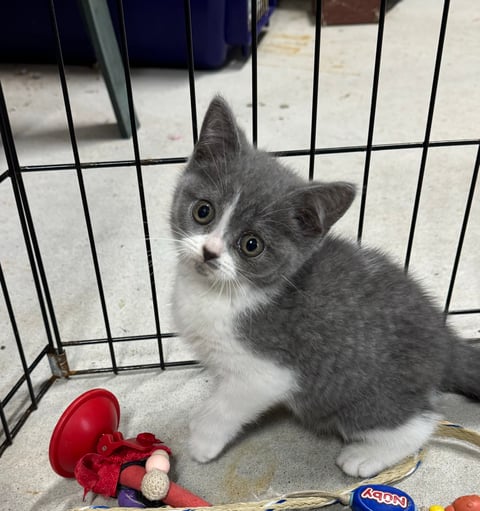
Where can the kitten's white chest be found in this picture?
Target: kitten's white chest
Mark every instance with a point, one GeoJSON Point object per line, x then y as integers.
{"type": "Point", "coordinates": [206, 317]}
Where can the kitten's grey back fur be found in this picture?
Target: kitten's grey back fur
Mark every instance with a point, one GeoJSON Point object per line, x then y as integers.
{"type": "Point", "coordinates": [368, 348]}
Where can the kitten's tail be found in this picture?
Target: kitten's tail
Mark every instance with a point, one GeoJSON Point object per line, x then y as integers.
{"type": "Point", "coordinates": [462, 375]}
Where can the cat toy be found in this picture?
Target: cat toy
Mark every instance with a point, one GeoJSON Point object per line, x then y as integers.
{"type": "Point", "coordinates": [465, 503]}
{"type": "Point", "coordinates": [374, 494]}
{"type": "Point", "coordinates": [85, 444]}
{"type": "Point", "coordinates": [369, 497]}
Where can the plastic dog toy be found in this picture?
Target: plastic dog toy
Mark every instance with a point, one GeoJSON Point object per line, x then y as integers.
{"type": "Point", "coordinates": [85, 444]}
{"type": "Point", "coordinates": [465, 503]}
{"type": "Point", "coordinates": [376, 497]}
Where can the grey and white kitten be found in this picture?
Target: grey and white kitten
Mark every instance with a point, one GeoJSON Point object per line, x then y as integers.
{"type": "Point", "coordinates": [281, 311]}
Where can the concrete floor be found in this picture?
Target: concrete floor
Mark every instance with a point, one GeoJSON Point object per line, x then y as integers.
{"type": "Point", "coordinates": [276, 456]}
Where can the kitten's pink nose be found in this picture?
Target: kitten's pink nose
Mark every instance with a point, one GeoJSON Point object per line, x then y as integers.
{"type": "Point", "coordinates": [212, 249]}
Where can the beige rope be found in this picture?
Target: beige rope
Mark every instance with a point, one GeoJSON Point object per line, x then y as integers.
{"type": "Point", "coordinates": [449, 430]}
{"type": "Point", "coordinates": [316, 499]}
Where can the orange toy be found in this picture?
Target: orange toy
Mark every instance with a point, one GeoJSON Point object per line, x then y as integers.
{"type": "Point", "coordinates": [465, 503]}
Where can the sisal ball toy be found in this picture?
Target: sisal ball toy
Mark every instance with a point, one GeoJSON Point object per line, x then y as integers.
{"type": "Point", "coordinates": [155, 485]}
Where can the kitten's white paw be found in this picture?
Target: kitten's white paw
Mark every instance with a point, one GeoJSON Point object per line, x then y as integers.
{"type": "Point", "coordinates": [361, 460]}
{"type": "Point", "coordinates": [380, 449]}
{"type": "Point", "coordinates": [206, 441]}
{"type": "Point", "coordinates": [202, 450]}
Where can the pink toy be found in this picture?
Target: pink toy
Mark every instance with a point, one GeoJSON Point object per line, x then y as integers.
{"type": "Point", "coordinates": [158, 460]}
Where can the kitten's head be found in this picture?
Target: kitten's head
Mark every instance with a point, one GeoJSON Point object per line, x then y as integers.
{"type": "Point", "coordinates": [240, 217]}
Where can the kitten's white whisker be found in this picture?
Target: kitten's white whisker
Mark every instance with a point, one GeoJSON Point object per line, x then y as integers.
{"type": "Point", "coordinates": [180, 232]}
{"type": "Point", "coordinates": [170, 240]}
{"type": "Point", "coordinates": [289, 282]}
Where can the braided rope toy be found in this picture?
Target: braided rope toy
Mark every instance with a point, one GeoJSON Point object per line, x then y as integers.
{"type": "Point", "coordinates": [316, 499]}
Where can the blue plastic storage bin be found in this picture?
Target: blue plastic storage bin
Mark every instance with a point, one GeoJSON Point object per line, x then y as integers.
{"type": "Point", "coordinates": [155, 31]}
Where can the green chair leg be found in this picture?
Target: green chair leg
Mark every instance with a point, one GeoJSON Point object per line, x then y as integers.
{"type": "Point", "coordinates": [100, 29]}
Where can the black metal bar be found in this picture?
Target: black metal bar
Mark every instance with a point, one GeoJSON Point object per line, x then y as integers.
{"type": "Point", "coordinates": [4, 176]}
{"type": "Point", "coordinates": [6, 429]}
{"type": "Point", "coordinates": [371, 122]}
{"type": "Point", "coordinates": [26, 223]}
{"type": "Point", "coordinates": [22, 378]}
{"type": "Point", "coordinates": [282, 154]}
{"type": "Point", "coordinates": [127, 338]}
{"type": "Point", "coordinates": [472, 340]}
{"type": "Point", "coordinates": [21, 421]}
{"type": "Point", "coordinates": [191, 68]}
{"type": "Point", "coordinates": [379, 147]}
{"type": "Point", "coordinates": [463, 311]}
{"type": "Point", "coordinates": [18, 184]}
{"type": "Point", "coordinates": [81, 184]}
{"type": "Point", "coordinates": [254, 40]}
{"type": "Point", "coordinates": [165, 365]}
{"type": "Point", "coordinates": [428, 129]}
{"type": "Point", "coordinates": [103, 164]}
{"type": "Point", "coordinates": [316, 79]}
{"type": "Point", "coordinates": [16, 334]}
{"type": "Point", "coordinates": [463, 230]}
{"type": "Point", "coordinates": [136, 150]}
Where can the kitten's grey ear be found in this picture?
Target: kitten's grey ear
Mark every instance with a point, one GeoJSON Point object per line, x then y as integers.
{"type": "Point", "coordinates": [319, 205]}
{"type": "Point", "coordinates": [220, 136]}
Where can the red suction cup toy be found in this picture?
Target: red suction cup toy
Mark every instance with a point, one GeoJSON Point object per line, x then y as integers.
{"type": "Point", "coordinates": [80, 427]}
{"type": "Point", "coordinates": [85, 444]}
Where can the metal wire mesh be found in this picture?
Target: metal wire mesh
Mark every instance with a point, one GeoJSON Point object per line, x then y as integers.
{"type": "Point", "coordinates": [56, 346]}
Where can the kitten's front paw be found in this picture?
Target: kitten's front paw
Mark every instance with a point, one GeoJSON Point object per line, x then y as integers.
{"type": "Point", "coordinates": [202, 450]}
{"type": "Point", "coordinates": [361, 460]}
{"type": "Point", "coordinates": [206, 442]}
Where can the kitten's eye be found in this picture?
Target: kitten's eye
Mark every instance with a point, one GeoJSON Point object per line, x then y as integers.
{"type": "Point", "coordinates": [203, 212]}
{"type": "Point", "coordinates": [251, 245]}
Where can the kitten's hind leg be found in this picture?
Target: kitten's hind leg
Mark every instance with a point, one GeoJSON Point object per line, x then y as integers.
{"type": "Point", "coordinates": [377, 449]}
